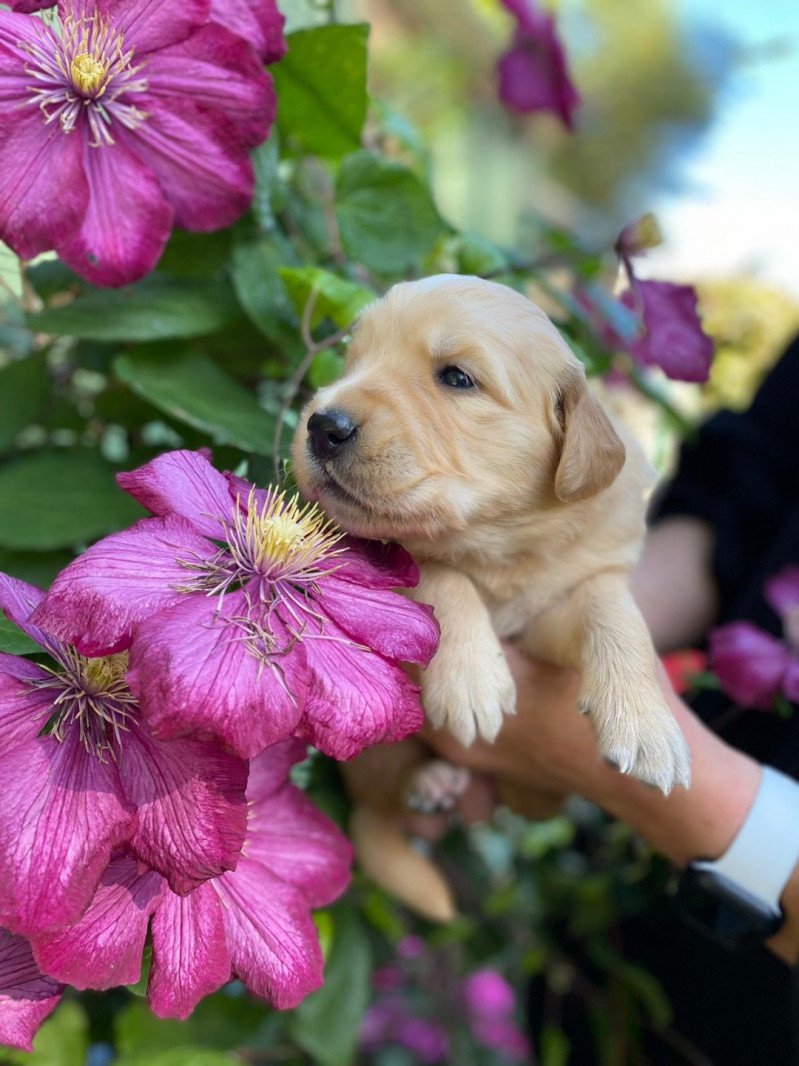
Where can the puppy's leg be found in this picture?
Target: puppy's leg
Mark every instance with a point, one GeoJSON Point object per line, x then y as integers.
{"type": "Point", "coordinates": [435, 787]}
{"type": "Point", "coordinates": [376, 782]}
{"type": "Point", "coordinates": [468, 686]}
{"type": "Point", "coordinates": [600, 631]}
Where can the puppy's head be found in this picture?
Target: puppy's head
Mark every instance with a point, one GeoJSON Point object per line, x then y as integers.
{"type": "Point", "coordinates": [460, 403]}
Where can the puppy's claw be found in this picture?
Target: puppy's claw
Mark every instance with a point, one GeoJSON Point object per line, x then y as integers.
{"type": "Point", "coordinates": [649, 745]}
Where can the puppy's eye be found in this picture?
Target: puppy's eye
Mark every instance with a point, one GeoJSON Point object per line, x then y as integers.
{"type": "Point", "coordinates": [455, 378]}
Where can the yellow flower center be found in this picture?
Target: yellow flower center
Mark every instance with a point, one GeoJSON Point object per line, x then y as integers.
{"type": "Point", "coordinates": [89, 74]}
{"type": "Point", "coordinates": [107, 674]}
{"type": "Point", "coordinates": [282, 536]}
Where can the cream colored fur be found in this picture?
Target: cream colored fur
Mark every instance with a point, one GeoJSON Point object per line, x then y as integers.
{"type": "Point", "coordinates": [521, 500]}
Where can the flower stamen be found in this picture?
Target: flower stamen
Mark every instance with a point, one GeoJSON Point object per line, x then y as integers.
{"type": "Point", "coordinates": [92, 696]}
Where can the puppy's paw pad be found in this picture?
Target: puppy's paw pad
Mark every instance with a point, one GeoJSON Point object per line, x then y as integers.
{"type": "Point", "coordinates": [436, 786]}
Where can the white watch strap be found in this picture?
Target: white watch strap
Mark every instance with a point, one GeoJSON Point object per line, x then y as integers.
{"type": "Point", "coordinates": [765, 851]}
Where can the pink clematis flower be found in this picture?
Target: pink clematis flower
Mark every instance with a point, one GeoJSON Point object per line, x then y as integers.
{"type": "Point", "coordinates": [752, 666]}
{"type": "Point", "coordinates": [80, 775]}
{"type": "Point", "coordinates": [127, 118]}
{"type": "Point", "coordinates": [250, 618]}
{"type": "Point", "coordinates": [259, 22]}
{"type": "Point", "coordinates": [27, 997]}
{"type": "Point", "coordinates": [672, 337]}
{"type": "Point", "coordinates": [490, 1004]}
{"type": "Point", "coordinates": [254, 923]}
{"type": "Point", "coordinates": [533, 75]}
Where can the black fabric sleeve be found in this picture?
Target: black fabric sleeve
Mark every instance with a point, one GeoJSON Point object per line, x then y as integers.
{"type": "Point", "coordinates": [741, 475]}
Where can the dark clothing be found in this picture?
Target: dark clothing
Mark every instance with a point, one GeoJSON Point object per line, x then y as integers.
{"type": "Point", "coordinates": [740, 474]}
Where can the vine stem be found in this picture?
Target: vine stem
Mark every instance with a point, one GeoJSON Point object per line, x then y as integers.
{"type": "Point", "coordinates": [312, 349]}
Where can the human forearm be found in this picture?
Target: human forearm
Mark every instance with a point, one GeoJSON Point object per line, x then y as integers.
{"type": "Point", "coordinates": [673, 583]}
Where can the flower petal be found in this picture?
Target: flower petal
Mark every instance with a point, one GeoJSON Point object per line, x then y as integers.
{"type": "Point", "coordinates": [17, 32]}
{"type": "Point", "coordinates": [533, 74]}
{"type": "Point", "coordinates": [127, 221]}
{"type": "Point", "coordinates": [257, 21]}
{"type": "Point", "coordinates": [43, 190]}
{"type": "Point", "coordinates": [19, 600]}
{"type": "Point", "coordinates": [396, 627]}
{"type": "Point", "coordinates": [189, 795]}
{"type": "Point", "coordinates": [749, 663]}
{"type": "Point", "coordinates": [355, 697]}
{"type": "Point", "coordinates": [790, 683]}
{"type": "Point", "coordinates": [375, 564]}
{"type": "Point", "coordinates": [26, 995]}
{"type": "Point", "coordinates": [182, 483]}
{"type": "Point", "coordinates": [60, 820]}
{"type": "Point", "coordinates": [199, 158]}
{"type": "Point", "coordinates": [673, 339]}
{"type": "Point", "coordinates": [149, 25]}
{"type": "Point", "coordinates": [23, 710]}
{"type": "Point", "coordinates": [295, 841]}
{"type": "Point", "coordinates": [104, 948]}
{"type": "Point", "coordinates": [782, 591]}
{"type": "Point", "coordinates": [232, 79]}
{"type": "Point", "coordinates": [273, 941]}
{"type": "Point", "coordinates": [270, 770]}
{"type": "Point", "coordinates": [97, 601]}
{"type": "Point", "coordinates": [190, 953]}
{"type": "Point", "coordinates": [199, 668]}
{"type": "Point", "coordinates": [29, 6]}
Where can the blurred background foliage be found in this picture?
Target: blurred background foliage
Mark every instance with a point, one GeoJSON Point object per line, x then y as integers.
{"type": "Point", "coordinates": [222, 342]}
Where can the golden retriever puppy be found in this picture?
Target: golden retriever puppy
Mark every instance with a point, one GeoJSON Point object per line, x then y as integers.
{"type": "Point", "coordinates": [464, 429]}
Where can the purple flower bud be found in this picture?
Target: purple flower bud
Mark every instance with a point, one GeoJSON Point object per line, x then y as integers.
{"type": "Point", "coordinates": [673, 338]}
{"type": "Point", "coordinates": [533, 74]}
{"type": "Point", "coordinates": [488, 994]}
{"type": "Point", "coordinates": [426, 1039]}
{"type": "Point", "coordinates": [749, 663]}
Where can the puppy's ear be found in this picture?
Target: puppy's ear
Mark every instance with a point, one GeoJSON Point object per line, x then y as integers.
{"type": "Point", "coordinates": [591, 452]}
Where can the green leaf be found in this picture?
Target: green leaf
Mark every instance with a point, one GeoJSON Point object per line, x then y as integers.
{"type": "Point", "coordinates": [326, 1024]}
{"type": "Point", "coordinates": [191, 388]}
{"type": "Point", "coordinates": [24, 387]}
{"type": "Point", "coordinates": [327, 367]}
{"type": "Point", "coordinates": [56, 499]}
{"type": "Point", "coordinates": [13, 640]}
{"type": "Point", "coordinates": [256, 277]}
{"type": "Point", "coordinates": [554, 1047]}
{"type": "Point", "coordinates": [477, 255]}
{"type": "Point", "coordinates": [321, 89]}
{"type": "Point", "coordinates": [195, 255]}
{"type": "Point", "coordinates": [335, 298]}
{"type": "Point", "coordinates": [61, 1041]}
{"type": "Point", "coordinates": [386, 216]}
{"type": "Point", "coordinates": [179, 1056]}
{"type": "Point", "coordinates": [219, 1023]}
{"type": "Point", "coordinates": [154, 309]}
{"type": "Point", "coordinates": [649, 992]}
{"type": "Point", "coordinates": [37, 568]}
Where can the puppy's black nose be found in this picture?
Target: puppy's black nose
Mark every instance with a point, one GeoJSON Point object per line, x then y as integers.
{"type": "Point", "coordinates": [329, 432]}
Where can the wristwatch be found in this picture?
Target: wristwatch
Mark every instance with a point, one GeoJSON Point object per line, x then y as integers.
{"type": "Point", "coordinates": [736, 899]}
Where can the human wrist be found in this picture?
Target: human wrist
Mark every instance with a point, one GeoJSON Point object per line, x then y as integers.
{"type": "Point", "coordinates": [700, 822]}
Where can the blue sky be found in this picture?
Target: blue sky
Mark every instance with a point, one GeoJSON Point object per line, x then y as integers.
{"type": "Point", "coordinates": [738, 209]}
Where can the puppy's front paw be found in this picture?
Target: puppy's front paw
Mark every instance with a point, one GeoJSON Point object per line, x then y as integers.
{"type": "Point", "coordinates": [470, 694]}
{"type": "Point", "coordinates": [436, 786]}
{"type": "Point", "coordinates": [639, 735]}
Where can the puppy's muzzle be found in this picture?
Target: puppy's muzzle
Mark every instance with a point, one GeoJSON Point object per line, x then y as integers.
{"type": "Point", "coordinates": [330, 432]}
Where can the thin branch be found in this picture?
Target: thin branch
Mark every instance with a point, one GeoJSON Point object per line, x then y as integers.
{"type": "Point", "coordinates": [312, 349]}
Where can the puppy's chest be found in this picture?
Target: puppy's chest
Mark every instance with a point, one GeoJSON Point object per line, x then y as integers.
{"type": "Point", "coordinates": [513, 606]}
